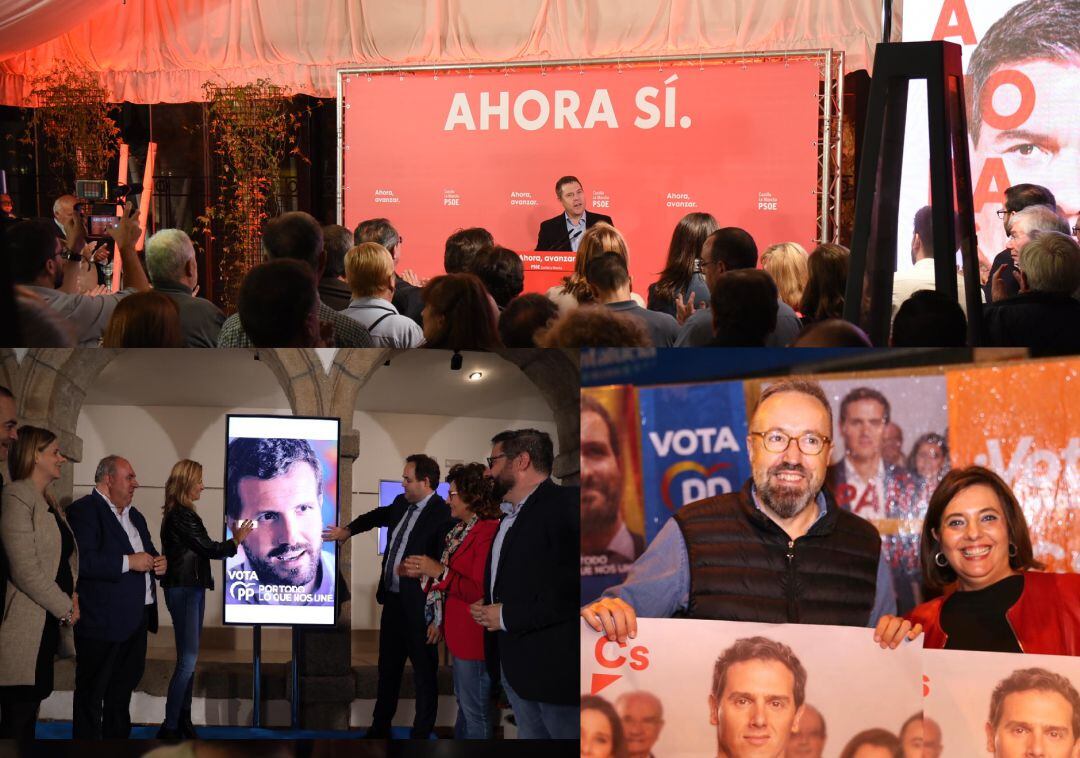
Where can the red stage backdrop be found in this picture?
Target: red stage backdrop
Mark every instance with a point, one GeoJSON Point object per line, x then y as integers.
{"type": "Point", "coordinates": [438, 151]}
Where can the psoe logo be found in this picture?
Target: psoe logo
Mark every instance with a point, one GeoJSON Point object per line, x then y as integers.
{"type": "Point", "coordinates": [767, 201]}
{"type": "Point", "coordinates": [243, 592]}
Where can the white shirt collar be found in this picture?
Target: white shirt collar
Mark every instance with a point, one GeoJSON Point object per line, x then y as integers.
{"type": "Point", "coordinates": [112, 505]}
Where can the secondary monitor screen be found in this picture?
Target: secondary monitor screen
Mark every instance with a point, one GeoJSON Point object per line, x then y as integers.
{"type": "Point", "coordinates": [390, 489]}
{"type": "Point", "coordinates": [281, 473]}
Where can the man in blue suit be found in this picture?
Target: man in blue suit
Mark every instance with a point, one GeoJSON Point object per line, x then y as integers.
{"type": "Point", "coordinates": [417, 523]}
{"type": "Point", "coordinates": [118, 595]}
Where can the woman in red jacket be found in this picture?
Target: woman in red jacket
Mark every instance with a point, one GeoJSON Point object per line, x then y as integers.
{"type": "Point", "coordinates": [976, 547]}
{"type": "Point", "coordinates": [453, 584]}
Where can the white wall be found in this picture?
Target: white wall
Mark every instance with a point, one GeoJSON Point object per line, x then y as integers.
{"type": "Point", "coordinates": [153, 438]}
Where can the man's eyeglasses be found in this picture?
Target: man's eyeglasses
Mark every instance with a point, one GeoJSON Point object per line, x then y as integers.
{"type": "Point", "coordinates": [492, 459]}
{"type": "Point", "coordinates": [451, 493]}
{"type": "Point", "coordinates": [776, 441]}
{"type": "Point", "coordinates": [1002, 213]}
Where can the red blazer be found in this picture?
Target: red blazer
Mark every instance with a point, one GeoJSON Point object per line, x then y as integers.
{"type": "Point", "coordinates": [1045, 620]}
{"type": "Point", "coordinates": [463, 586]}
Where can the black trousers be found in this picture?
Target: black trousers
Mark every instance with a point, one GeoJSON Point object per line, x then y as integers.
{"type": "Point", "coordinates": [106, 674]}
{"type": "Point", "coordinates": [18, 719]}
{"type": "Point", "coordinates": [399, 638]}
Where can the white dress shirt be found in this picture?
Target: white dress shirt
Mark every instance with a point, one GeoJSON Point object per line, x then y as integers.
{"type": "Point", "coordinates": [124, 517]}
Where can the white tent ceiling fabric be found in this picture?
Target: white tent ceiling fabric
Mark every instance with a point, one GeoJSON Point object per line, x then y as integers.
{"type": "Point", "coordinates": [153, 51]}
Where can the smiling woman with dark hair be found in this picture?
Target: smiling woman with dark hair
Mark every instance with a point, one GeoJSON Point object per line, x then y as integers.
{"type": "Point", "coordinates": [977, 548]}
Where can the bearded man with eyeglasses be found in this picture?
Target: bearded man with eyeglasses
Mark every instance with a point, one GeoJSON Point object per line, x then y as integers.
{"type": "Point", "coordinates": [778, 551]}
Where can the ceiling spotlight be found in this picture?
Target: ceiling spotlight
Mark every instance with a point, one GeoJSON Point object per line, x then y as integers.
{"type": "Point", "coordinates": [476, 376]}
{"type": "Point", "coordinates": [456, 361]}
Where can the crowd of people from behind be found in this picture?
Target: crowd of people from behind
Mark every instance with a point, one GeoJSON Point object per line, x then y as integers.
{"type": "Point", "coordinates": [492, 570]}
{"type": "Point", "coordinates": [327, 286]}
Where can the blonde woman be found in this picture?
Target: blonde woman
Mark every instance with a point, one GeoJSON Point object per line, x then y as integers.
{"type": "Point", "coordinates": [598, 239]}
{"type": "Point", "coordinates": [188, 550]}
{"type": "Point", "coordinates": [40, 606]}
{"type": "Point", "coordinates": [786, 264]}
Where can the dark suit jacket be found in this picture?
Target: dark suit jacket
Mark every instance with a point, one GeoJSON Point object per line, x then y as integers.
{"type": "Point", "coordinates": [409, 300]}
{"type": "Point", "coordinates": [537, 582]}
{"type": "Point", "coordinates": [553, 234]}
{"type": "Point", "coordinates": [111, 602]}
{"type": "Point", "coordinates": [334, 293]}
{"type": "Point", "coordinates": [426, 538]}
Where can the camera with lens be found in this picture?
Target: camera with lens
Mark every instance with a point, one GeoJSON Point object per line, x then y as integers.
{"type": "Point", "coordinates": [98, 206]}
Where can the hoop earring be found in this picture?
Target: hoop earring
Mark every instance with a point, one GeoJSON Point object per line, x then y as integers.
{"type": "Point", "coordinates": [1013, 550]}
{"type": "Point", "coordinates": [940, 559]}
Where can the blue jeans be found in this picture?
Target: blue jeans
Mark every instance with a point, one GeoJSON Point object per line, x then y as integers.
{"type": "Point", "coordinates": [186, 606]}
{"type": "Point", "coordinates": [472, 686]}
{"type": "Point", "coordinates": [543, 721]}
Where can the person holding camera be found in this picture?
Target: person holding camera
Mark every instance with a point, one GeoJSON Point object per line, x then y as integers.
{"type": "Point", "coordinates": [41, 603]}
{"type": "Point", "coordinates": [68, 210]}
{"type": "Point", "coordinates": [49, 271]}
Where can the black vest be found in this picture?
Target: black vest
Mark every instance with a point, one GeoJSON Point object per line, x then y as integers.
{"type": "Point", "coordinates": [744, 567]}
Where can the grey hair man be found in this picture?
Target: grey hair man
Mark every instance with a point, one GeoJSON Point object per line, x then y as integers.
{"type": "Point", "coordinates": [1046, 314]}
{"type": "Point", "coordinates": [170, 261]}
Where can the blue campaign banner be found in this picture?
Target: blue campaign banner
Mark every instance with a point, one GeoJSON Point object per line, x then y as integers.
{"type": "Point", "coordinates": [693, 446]}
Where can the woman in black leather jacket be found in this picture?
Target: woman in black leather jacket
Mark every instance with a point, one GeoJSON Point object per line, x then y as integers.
{"type": "Point", "coordinates": [189, 550]}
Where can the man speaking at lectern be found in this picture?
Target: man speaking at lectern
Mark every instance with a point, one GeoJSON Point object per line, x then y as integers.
{"type": "Point", "coordinates": [564, 231]}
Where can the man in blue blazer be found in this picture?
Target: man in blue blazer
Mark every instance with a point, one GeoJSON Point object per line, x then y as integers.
{"type": "Point", "coordinates": [531, 587]}
{"type": "Point", "coordinates": [565, 230]}
{"type": "Point", "coordinates": [118, 599]}
{"type": "Point", "coordinates": [417, 523]}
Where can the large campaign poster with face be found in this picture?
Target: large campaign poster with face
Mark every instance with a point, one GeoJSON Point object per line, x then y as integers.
{"type": "Point", "coordinates": [704, 688]}
{"type": "Point", "coordinates": [1002, 705]}
{"type": "Point", "coordinates": [612, 516]}
{"type": "Point", "coordinates": [281, 473]}
{"type": "Point", "coordinates": [693, 446]}
{"type": "Point", "coordinates": [436, 151]}
{"type": "Point", "coordinates": [890, 450]}
{"type": "Point", "coordinates": [1022, 64]}
{"type": "Point", "coordinates": [1023, 422]}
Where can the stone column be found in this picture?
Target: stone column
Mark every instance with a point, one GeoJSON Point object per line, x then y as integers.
{"type": "Point", "coordinates": [327, 685]}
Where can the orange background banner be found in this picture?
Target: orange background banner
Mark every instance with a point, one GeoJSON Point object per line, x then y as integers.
{"type": "Point", "coordinates": [1023, 422]}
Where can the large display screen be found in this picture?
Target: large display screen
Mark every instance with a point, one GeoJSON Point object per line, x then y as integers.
{"type": "Point", "coordinates": [281, 473]}
{"type": "Point", "coordinates": [390, 489]}
{"type": "Point", "coordinates": [1022, 85]}
{"type": "Point", "coordinates": [649, 143]}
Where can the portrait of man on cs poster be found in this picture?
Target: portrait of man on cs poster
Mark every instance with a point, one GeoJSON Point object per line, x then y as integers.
{"type": "Point", "coordinates": [1034, 712]}
{"type": "Point", "coordinates": [757, 698]}
{"type": "Point", "coordinates": [280, 484]}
